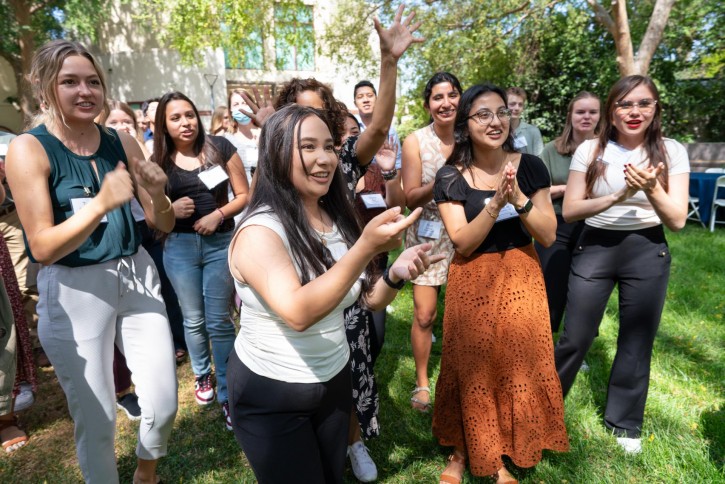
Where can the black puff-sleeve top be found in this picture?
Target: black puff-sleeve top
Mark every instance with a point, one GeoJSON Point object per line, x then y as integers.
{"type": "Point", "coordinates": [450, 186]}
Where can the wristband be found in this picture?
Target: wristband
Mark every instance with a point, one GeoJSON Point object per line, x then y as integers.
{"type": "Point", "coordinates": [390, 175]}
{"type": "Point", "coordinates": [397, 286]}
{"type": "Point", "coordinates": [222, 214]}
{"type": "Point", "coordinates": [526, 208]}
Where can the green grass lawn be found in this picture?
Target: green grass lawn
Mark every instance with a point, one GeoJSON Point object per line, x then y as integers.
{"type": "Point", "coordinates": [684, 424]}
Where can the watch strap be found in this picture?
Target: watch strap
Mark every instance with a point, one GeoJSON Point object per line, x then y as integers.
{"type": "Point", "coordinates": [526, 207]}
{"type": "Point", "coordinates": [397, 286]}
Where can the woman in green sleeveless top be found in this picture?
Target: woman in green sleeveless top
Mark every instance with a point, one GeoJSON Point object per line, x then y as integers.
{"type": "Point", "coordinates": [72, 181]}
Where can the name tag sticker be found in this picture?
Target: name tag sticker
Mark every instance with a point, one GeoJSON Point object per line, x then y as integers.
{"type": "Point", "coordinates": [78, 203]}
{"type": "Point", "coordinates": [507, 212]}
{"type": "Point", "coordinates": [520, 142]}
{"type": "Point", "coordinates": [213, 177]}
{"type": "Point", "coordinates": [3, 149]}
{"type": "Point", "coordinates": [373, 200]}
{"type": "Point", "coordinates": [430, 229]}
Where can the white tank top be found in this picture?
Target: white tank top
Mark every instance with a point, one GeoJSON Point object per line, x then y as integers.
{"type": "Point", "coordinates": [270, 348]}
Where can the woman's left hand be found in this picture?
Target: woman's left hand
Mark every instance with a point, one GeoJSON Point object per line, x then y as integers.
{"type": "Point", "coordinates": [150, 177]}
{"type": "Point", "coordinates": [208, 224]}
{"type": "Point", "coordinates": [413, 262]}
{"type": "Point", "coordinates": [396, 39]}
{"type": "Point", "coordinates": [642, 179]}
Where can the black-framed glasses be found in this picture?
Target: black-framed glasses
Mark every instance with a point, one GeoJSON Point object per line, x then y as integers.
{"type": "Point", "coordinates": [484, 116]}
{"type": "Point", "coordinates": [646, 105]}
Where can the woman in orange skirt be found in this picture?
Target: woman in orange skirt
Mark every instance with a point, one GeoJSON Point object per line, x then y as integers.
{"type": "Point", "coordinates": [498, 392]}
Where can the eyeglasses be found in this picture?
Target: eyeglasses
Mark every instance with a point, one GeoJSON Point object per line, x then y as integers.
{"type": "Point", "coordinates": [484, 116]}
{"type": "Point", "coordinates": [645, 105]}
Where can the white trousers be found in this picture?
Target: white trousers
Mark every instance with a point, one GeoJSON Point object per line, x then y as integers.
{"type": "Point", "coordinates": [82, 312]}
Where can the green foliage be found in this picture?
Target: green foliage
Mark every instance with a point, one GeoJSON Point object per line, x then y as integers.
{"type": "Point", "coordinates": [553, 49]}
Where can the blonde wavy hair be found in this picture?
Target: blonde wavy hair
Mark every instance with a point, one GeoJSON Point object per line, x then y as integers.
{"type": "Point", "coordinates": [43, 77]}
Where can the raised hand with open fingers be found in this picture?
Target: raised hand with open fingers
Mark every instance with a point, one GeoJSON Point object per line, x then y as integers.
{"type": "Point", "coordinates": [396, 39]}
{"type": "Point", "coordinates": [261, 106]}
{"type": "Point", "coordinates": [386, 155]}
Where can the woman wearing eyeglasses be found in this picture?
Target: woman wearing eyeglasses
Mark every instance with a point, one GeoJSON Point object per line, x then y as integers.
{"type": "Point", "coordinates": [626, 184]}
{"type": "Point", "coordinates": [497, 393]}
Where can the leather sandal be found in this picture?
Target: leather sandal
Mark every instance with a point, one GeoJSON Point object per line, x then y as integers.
{"type": "Point", "coordinates": [420, 405]}
{"type": "Point", "coordinates": [450, 478]}
{"type": "Point", "coordinates": [11, 435]}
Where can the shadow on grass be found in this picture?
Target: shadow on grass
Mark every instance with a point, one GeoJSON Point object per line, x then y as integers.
{"type": "Point", "coordinates": [713, 428]}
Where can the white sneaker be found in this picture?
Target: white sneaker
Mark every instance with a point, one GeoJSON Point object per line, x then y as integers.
{"type": "Point", "coordinates": [362, 465]}
{"type": "Point", "coordinates": [25, 398]}
{"type": "Point", "coordinates": [433, 338]}
{"type": "Point", "coordinates": [630, 446]}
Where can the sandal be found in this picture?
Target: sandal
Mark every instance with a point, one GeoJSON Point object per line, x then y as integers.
{"type": "Point", "coordinates": [450, 478]}
{"type": "Point", "coordinates": [420, 405]}
{"type": "Point", "coordinates": [11, 435]}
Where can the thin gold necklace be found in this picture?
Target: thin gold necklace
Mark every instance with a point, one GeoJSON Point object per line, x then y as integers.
{"type": "Point", "coordinates": [498, 171]}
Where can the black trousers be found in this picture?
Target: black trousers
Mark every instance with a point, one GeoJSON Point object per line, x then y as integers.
{"type": "Point", "coordinates": [639, 263]}
{"type": "Point", "coordinates": [290, 432]}
{"type": "Point", "coordinates": [555, 264]}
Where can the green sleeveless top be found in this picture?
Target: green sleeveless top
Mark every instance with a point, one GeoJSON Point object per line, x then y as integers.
{"type": "Point", "coordinates": [72, 176]}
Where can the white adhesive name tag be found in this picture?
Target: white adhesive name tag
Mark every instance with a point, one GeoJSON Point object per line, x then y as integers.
{"type": "Point", "coordinates": [78, 203]}
{"type": "Point", "coordinates": [3, 149]}
{"type": "Point", "coordinates": [507, 212]}
{"type": "Point", "coordinates": [213, 177]}
{"type": "Point", "coordinates": [373, 200]}
{"type": "Point", "coordinates": [137, 211]}
{"type": "Point", "coordinates": [430, 229]}
{"type": "Point", "coordinates": [520, 142]}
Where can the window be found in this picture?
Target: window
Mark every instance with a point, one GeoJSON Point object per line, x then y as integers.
{"type": "Point", "coordinates": [253, 48]}
{"type": "Point", "coordinates": [294, 38]}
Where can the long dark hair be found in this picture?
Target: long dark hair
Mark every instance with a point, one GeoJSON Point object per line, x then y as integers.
{"type": "Point", "coordinates": [462, 154]}
{"type": "Point", "coordinates": [654, 144]}
{"type": "Point", "coordinates": [275, 192]}
{"type": "Point", "coordinates": [335, 116]}
{"type": "Point", "coordinates": [164, 146]}
{"type": "Point", "coordinates": [565, 144]}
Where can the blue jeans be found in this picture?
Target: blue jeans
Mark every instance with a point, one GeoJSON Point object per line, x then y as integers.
{"type": "Point", "coordinates": [198, 269]}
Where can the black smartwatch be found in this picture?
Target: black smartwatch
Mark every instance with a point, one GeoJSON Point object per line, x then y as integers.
{"type": "Point", "coordinates": [526, 207]}
{"type": "Point", "coordinates": [397, 286]}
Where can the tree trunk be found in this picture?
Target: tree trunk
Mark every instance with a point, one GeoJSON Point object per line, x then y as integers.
{"type": "Point", "coordinates": [21, 63]}
{"type": "Point", "coordinates": [618, 25]}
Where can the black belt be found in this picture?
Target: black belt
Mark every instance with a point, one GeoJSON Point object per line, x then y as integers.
{"type": "Point", "coordinates": [6, 210]}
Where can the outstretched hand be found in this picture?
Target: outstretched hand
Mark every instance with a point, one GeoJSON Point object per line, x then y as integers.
{"type": "Point", "coordinates": [385, 232]}
{"type": "Point", "coordinates": [396, 39]}
{"type": "Point", "coordinates": [261, 106]}
{"type": "Point", "coordinates": [413, 262]}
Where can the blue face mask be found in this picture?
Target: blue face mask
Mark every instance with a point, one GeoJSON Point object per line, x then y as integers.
{"type": "Point", "coordinates": [241, 118]}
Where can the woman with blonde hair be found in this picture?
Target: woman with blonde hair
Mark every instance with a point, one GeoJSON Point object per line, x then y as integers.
{"type": "Point", "coordinates": [582, 123]}
{"type": "Point", "coordinates": [72, 181]}
{"type": "Point", "coordinates": [220, 121]}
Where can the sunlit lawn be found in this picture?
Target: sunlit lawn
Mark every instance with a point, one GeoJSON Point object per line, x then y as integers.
{"type": "Point", "coordinates": [684, 422]}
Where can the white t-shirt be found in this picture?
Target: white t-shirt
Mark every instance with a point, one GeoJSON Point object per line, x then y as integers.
{"type": "Point", "coordinates": [272, 349]}
{"type": "Point", "coordinates": [636, 212]}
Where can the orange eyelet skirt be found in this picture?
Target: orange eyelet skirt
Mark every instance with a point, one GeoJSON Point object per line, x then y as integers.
{"type": "Point", "coordinates": [498, 392]}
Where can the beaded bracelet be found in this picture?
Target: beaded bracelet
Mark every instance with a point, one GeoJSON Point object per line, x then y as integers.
{"type": "Point", "coordinates": [390, 175]}
{"type": "Point", "coordinates": [222, 214]}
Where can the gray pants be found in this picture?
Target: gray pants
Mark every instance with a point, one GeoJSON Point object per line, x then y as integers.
{"type": "Point", "coordinates": [8, 355]}
{"type": "Point", "coordinates": [82, 312]}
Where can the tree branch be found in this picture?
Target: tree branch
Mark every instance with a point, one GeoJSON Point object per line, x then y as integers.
{"type": "Point", "coordinates": [39, 6]}
{"type": "Point", "coordinates": [603, 17]}
{"type": "Point", "coordinates": [653, 36]}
